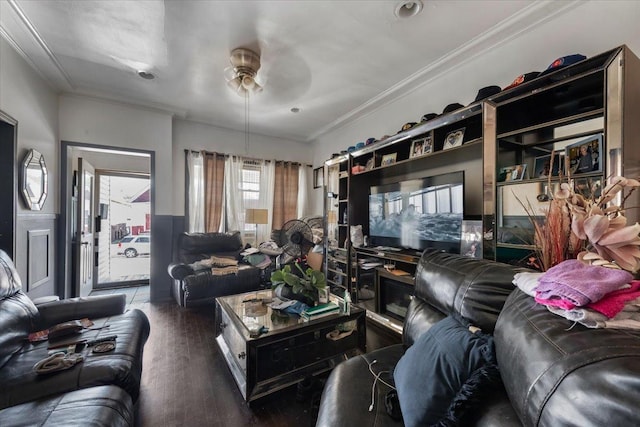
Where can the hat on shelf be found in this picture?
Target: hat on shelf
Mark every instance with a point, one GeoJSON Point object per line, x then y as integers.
{"type": "Point", "coordinates": [486, 92]}
{"type": "Point", "coordinates": [523, 78]}
{"type": "Point", "coordinates": [562, 62]}
{"type": "Point", "coordinates": [407, 126]}
{"type": "Point", "coordinates": [452, 107]}
{"type": "Point", "coordinates": [428, 116]}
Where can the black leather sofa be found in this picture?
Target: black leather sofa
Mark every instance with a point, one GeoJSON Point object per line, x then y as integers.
{"type": "Point", "coordinates": [554, 372]}
{"type": "Point", "coordinates": [101, 390]}
{"type": "Point", "coordinates": [193, 286]}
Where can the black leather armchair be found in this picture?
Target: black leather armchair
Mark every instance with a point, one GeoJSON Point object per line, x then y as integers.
{"type": "Point", "coordinates": [193, 285]}
{"type": "Point", "coordinates": [102, 388]}
{"type": "Point", "coordinates": [554, 373]}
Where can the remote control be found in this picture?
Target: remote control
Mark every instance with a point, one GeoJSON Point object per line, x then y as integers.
{"type": "Point", "coordinates": [99, 340]}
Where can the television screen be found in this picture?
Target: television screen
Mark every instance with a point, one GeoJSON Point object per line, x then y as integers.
{"type": "Point", "coordinates": [418, 214]}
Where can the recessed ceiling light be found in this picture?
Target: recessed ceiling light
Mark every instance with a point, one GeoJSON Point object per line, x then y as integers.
{"type": "Point", "coordinates": [146, 75]}
{"type": "Point", "coordinates": [295, 110]}
{"type": "Point", "coordinates": [408, 8]}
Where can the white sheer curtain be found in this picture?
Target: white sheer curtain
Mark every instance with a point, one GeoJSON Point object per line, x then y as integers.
{"type": "Point", "coordinates": [234, 208]}
{"type": "Point", "coordinates": [267, 182]}
{"type": "Point", "coordinates": [195, 168]}
{"type": "Point", "coordinates": [304, 178]}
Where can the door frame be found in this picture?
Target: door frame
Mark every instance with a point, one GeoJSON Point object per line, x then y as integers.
{"type": "Point", "coordinates": [66, 287]}
{"type": "Point", "coordinates": [109, 172]}
{"type": "Point", "coordinates": [10, 186]}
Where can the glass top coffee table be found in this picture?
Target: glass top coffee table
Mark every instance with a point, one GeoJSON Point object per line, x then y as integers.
{"type": "Point", "coordinates": [267, 350]}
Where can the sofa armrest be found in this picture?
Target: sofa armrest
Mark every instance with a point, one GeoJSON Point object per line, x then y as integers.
{"type": "Point", "coordinates": [179, 271]}
{"type": "Point", "coordinates": [77, 308]}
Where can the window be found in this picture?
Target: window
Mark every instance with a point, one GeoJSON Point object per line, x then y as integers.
{"type": "Point", "coordinates": [250, 188]}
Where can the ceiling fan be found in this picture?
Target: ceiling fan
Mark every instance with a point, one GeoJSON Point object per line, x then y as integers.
{"type": "Point", "coordinates": [241, 75]}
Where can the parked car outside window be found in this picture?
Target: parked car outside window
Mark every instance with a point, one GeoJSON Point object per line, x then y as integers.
{"type": "Point", "coordinates": [132, 246]}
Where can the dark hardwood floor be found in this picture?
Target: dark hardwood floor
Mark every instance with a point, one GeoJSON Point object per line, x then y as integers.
{"type": "Point", "coordinates": [185, 381]}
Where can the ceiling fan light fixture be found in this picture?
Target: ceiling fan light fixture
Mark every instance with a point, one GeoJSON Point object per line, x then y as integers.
{"type": "Point", "coordinates": [241, 77]}
{"type": "Point", "coordinates": [248, 83]}
{"type": "Point", "coordinates": [235, 84]}
{"type": "Point", "coordinates": [408, 8]}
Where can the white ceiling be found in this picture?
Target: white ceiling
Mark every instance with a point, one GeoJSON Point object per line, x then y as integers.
{"type": "Point", "coordinates": [335, 60]}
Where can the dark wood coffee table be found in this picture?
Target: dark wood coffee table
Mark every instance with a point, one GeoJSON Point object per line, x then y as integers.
{"type": "Point", "coordinates": [291, 349]}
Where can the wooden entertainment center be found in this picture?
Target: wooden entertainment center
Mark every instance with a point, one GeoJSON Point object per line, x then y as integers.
{"type": "Point", "coordinates": [507, 139]}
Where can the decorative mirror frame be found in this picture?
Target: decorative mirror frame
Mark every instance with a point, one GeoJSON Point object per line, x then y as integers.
{"type": "Point", "coordinates": [34, 162]}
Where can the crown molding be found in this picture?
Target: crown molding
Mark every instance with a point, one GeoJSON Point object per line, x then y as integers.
{"type": "Point", "coordinates": [27, 29]}
{"type": "Point", "coordinates": [118, 100]}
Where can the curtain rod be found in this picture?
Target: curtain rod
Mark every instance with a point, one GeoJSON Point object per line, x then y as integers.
{"type": "Point", "coordinates": [186, 150]}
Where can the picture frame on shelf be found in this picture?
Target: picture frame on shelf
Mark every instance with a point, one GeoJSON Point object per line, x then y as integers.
{"type": "Point", "coordinates": [471, 239]}
{"type": "Point", "coordinates": [512, 173]}
{"type": "Point", "coordinates": [420, 147]}
{"type": "Point", "coordinates": [589, 188]}
{"type": "Point", "coordinates": [388, 159]}
{"type": "Point", "coordinates": [453, 139]}
{"type": "Point", "coordinates": [519, 172]}
{"type": "Point", "coordinates": [416, 148]}
{"type": "Point", "coordinates": [371, 163]}
{"type": "Point", "coordinates": [584, 156]}
{"type": "Point", "coordinates": [543, 166]}
{"type": "Point", "coordinates": [318, 177]}
{"type": "Point", "coordinates": [427, 146]}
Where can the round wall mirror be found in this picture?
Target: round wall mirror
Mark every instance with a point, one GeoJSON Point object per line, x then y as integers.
{"type": "Point", "coordinates": [34, 180]}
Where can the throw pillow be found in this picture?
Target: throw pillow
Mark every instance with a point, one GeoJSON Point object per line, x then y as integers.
{"type": "Point", "coordinates": [444, 372]}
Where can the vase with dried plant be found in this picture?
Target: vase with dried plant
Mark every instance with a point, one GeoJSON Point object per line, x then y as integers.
{"type": "Point", "coordinates": [588, 227]}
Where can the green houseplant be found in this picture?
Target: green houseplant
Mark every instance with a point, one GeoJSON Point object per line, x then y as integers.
{"type": "Point", "coordinates": [299, 284]}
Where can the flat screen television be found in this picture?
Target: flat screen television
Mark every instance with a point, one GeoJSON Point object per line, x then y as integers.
{"type": "Point", "coordinates": [418, 214]}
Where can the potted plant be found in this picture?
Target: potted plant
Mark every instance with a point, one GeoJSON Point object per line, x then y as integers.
{"type": "Point", "coordinates": [298, 283]}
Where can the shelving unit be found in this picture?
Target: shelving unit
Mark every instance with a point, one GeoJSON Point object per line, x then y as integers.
{"type": "Point", "coordinates": [599, 96]}
{"type": "Point", "coordinates": [594, 100]}
{"type": "Point", "coordinates": [336, 200]}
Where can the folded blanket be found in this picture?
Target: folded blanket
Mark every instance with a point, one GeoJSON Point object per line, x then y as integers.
{"type": "Point", "coordinates": [613, 303]}
{"type": "Point", "coordinates": [580, 283]}
{"type": "Point", "coordinates": [223, 271]}
{"type": "Point", "coordinates": [527, 282]}
{"type": "Point", "coordinates": [628, 318]}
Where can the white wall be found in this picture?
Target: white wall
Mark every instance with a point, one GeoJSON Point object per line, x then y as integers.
{"type": "Point", "coordinates": [28, 99]}
{"type": "Point", "coordinates": [198, 136]}
{"type": "Point", "coordinates": [88, 120]}
{"type": "Point", "coordinates": [589, 28]}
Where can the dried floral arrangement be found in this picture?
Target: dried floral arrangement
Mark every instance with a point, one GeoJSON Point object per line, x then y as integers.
{"type": "Point", "coordinates": [588, 228]}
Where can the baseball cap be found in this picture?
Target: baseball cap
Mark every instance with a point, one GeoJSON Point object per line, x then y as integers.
{"type": "Point", "coordinates": [523, 78]}
{"type": "Point", "coordinates": [486, 92]}
{"type": "Point", "coordinates": [452, 107]}
{"type": "Point", "coordinates": [562, 62]}
{"type": "Point", "coordinates": [428, 116]}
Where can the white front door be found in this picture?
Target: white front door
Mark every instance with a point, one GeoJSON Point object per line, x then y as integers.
{"type": "Point", "coordinates": [85, 226]}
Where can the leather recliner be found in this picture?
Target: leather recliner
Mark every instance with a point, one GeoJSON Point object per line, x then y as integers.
{"type": "Point", "coordinates": [102, 387]}
{"type": "Point", "coordinates": [192, 286]}
{"type": "Point", "coordinates": [554, 372]}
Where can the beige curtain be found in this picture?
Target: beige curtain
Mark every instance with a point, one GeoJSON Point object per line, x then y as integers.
{"type": "Point", "coordinates": [285, 197]}
{"type": "Point", "coordinates": [213, 190]}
